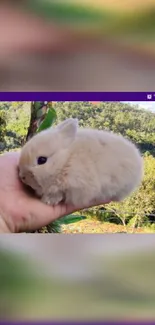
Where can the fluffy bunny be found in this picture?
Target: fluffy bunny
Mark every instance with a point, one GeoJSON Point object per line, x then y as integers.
{"type": "Point", "coordinates": [78, 166]}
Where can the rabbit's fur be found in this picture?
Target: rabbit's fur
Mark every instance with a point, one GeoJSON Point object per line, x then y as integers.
{"type": "Point", "coordinates": [82, 165]}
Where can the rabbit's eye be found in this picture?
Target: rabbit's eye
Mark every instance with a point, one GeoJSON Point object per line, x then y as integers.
{"type": "Point", "coordinates": [41, 160]}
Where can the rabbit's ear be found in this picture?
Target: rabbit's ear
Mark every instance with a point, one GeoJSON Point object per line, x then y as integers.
{"type": "Point", "coordinates": [67, 122]}
{"type": "Point", "coordinates": [68, 128]}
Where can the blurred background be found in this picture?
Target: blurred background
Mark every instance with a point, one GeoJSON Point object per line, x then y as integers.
{"type": "Point", "coordinates": [81, 45]}
{"type": "Point", "coordinates": [82, 277]}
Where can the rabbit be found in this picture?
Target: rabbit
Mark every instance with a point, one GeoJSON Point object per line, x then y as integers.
{"type": "Point", "coordinates": [78, 166]}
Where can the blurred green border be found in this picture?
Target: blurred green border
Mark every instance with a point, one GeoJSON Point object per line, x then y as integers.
{"type": "Point", "coordinates": [71, 14]}
{"type": "Point", "coordinates": [66, 12]}
{"type": "Point", "coordinates": [140, 25]}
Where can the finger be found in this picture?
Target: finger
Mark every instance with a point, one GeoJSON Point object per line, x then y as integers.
{"type": "Point", "coordinates": [9, 171]}
{"type": "Point", "coordinates": [10, 158]}
{"type": "Point", "coordinates": [41, 214]}
{"type": "Point", "coordinates": [37, 214]}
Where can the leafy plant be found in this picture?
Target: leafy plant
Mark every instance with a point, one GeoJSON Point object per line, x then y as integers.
{"type": "Point", "coordinates": [72, 218]}
{"type": "Point", "coordinates": [2, 128]}
{"type": "Point", "coordinates": [49, 119]}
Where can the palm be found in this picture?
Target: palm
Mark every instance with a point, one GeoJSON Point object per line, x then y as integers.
{"type": "Point", "coordinates": [22, 211]}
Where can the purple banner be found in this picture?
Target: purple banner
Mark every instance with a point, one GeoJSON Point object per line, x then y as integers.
{"type": "Point", "coordinates": [77, 96]}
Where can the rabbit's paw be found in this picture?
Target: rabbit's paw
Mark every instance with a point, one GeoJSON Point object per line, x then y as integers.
{"type": "Point", "coordinates": [54, 199]}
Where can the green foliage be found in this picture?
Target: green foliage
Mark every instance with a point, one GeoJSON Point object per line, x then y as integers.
{"type": "Point", "coordinates": [17, 119]}
{"type": "Point", "coordinates": [53, 227]}
{"type": "Point", "coordinates": [132, 122]}
{"type": "Point", "coordinates": [103, 214]}
{"type": "Point", "coordinates": [66, 220]}
{"type": "Point", "coordinates": [135, 209]}
{"type": "Point", "coordinates": [4, 105]}
{"type": "Point", "coordinates": [2, 125]}
{"type": "Point", "coordinates": [49, 119]}
{"type": "Point", "coordinates": [38, 112]}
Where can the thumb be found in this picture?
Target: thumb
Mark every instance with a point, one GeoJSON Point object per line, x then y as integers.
{"type": "Point", "coordinates": [38, 215]}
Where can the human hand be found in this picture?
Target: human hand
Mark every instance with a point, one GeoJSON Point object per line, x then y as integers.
{"type": "Point", "coordinates": [19, 210]}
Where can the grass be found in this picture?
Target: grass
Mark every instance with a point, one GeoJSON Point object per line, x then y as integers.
{"type": "Point", "coordinates": [91, 226]}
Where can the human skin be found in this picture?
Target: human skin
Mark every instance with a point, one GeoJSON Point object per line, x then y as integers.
{"type": "Point", "coordinates": [19, 210]}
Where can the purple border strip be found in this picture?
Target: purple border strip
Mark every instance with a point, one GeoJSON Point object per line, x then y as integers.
{"type": "Point", "coordinates": [77, 96]}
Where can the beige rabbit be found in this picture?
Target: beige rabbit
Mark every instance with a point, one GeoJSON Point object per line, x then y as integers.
{"type": "Point", "coordinates": [78, 166]}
